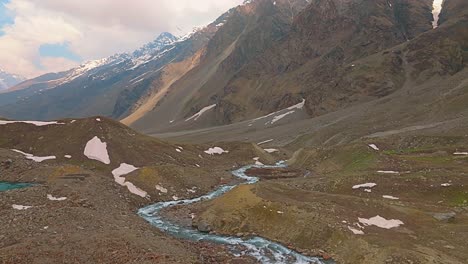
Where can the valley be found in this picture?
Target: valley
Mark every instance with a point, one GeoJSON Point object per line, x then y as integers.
{"type": "Point", "coordinates": [287, 131]}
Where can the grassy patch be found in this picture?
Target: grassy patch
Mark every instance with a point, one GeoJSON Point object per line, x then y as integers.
{"type": "Point", "coordinates": [63, 171]}
{"type": "Point", "coordinates": [358, 161]}
{"type": "Point", "coordinates": [408, 151]}
{"type": "Point", "coordinates": [459, 198]}
{"type": "Point", "coordinates": [433, 160]}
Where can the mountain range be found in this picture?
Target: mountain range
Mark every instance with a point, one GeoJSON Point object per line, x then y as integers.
{"type": "Point", "coordinates": [285, 131]}
{"type": "Point", "coordinates": [256, 59]}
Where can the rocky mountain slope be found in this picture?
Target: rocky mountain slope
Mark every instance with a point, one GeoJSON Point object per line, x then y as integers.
{"type": "Point", "coordinates": [313, 59]}
{"type": "Point", "coordinates": [414, 86]}
{"type": "Point", "coordinates": [249, 30]}
{"type": "Point", "coordinates": [8, 80]}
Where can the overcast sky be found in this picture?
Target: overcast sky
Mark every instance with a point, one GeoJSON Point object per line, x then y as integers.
{"type": "Point", "coordinates": [40, 36]}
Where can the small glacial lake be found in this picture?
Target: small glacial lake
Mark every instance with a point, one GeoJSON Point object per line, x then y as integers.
{"type": "Point", "coordinates": [5, 186]}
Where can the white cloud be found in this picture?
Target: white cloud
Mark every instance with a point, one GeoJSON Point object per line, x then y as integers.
{"type": "Point", "coordinates": [57, 64]}
{"type": "Point", "coordinates": [95, 28]}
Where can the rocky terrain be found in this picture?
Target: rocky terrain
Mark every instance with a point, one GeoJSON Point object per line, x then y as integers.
{"type": "Point", "coordinates": [419, 183]}
{"type": "Point", "coordinates": [77, 212]}
{"type": "Point", "coordinates": [364, 100]}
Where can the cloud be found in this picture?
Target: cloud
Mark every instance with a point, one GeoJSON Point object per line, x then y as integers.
{"type": "Point", "coordinates": [93, 29]}
{"type": "Point", "coordinates": [54, 64]}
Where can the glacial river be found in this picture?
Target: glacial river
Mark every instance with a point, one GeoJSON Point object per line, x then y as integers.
{"type": "Point", "coordinates": [264, 250]}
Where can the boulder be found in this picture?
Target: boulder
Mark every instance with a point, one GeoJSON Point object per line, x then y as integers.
{"type": "Point", "coordinates": [445, 217]}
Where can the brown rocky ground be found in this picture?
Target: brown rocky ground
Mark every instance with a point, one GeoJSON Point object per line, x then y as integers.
{"type": "Point", "coordinates": [309, 206]}
{"type": "Point", "coordinates": [97, 222]}
{"type": "Point", "coordinates": [313, 214]}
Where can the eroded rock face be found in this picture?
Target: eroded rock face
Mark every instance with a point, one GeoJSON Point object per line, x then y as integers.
{"type": "Point", "coordinates": [315, 59]}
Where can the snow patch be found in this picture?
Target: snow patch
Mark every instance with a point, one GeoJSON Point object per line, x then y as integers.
{"type": "Point", "coordinates": [36, 123]}
{"type": "Point", "coordinates": [374, 147]}
{"type": "Point", "coordinates": [257, 161]}
{"type": "Point", "coordinates": [365, 185]}
{"type": "Point", "coordinates": [161, 189]}
{"type": "Point", "coordinates": [271, 150]}
{"type": "Point", "coordinates": [193, 190]}
{"type": "Point", "coordinates": [436, 9]}
{"type": "Point", "coordinates": [52, 198]}
{"type": "Point", "coordinates": [294, 107]}
{"type": "Point", "coordinates": [135, 190]}
{"type": "Point", "coordinates": [34, 158]}
{"type": "Point", "coordinates": [297, 106]}
{"type": "Point", "coordinates": [264, 142]}
{"type": "Point", "coordinates": [97, 150]}
{"type": "Point", "coordinates": [388, 172]}
{"type": "Point", "coordinates": [41, 159]}
{"type": "Point", "coordinates": [216, 150]}
{"type": "Point", "coordinates": [200, 113]}
{"type": "Point", "coordinates": [356, 231]}
{"type": "Point", "coordinates": [279, 117]}
{"type": "Point", "coordinates": [21, 207]}
{"type": "Point", "coordinates": [390, 197]}
{"type": "Point", "coordinates": [125, 169]}
{"type": "Point", "coordinates": [68, 156]}
{"type": "Point", "coordinates": [381, 222]}
{"type": "Point", "coordinates": [460, 153]}
{"type": "Point", "coordinates": [446, 184]}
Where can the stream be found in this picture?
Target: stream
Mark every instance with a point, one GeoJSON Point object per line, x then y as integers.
{"type": "Point", "coordinates": [264, 250]}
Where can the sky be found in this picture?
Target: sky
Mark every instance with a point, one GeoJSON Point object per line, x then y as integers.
{"type": "Point", "coordinates": [41, 36]}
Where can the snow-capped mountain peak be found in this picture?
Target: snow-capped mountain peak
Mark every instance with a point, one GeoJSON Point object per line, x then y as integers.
{"type": "Point", "coordinates": [143, 55]}
{"type": "Point", "coordinates": [160, 42]}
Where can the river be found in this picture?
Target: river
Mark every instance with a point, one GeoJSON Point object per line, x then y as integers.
{"type": "Point", "coordinates": [264, 250]}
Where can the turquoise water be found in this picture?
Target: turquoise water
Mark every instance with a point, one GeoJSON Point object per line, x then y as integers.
{"type": "Point", "coordinates": [5, 186]}
{"type": "Point", "coordinates": [264, 250]}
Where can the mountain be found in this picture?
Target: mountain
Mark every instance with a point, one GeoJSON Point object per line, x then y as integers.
{"type": "Point", "coordinates": [362, 101]}
{"type": "Point", "coordinates": [107, 86]}
{"type": "Point", "coordinates": [303, 60]}
{"type": "Point", "coordinates": [127, 86]}
{"type": "Point", "coordinates": [8, 80]}
{"type": "Point", "coordinates": [248, 31]}
{"type": "Point", "coordinates": [394, 82]}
